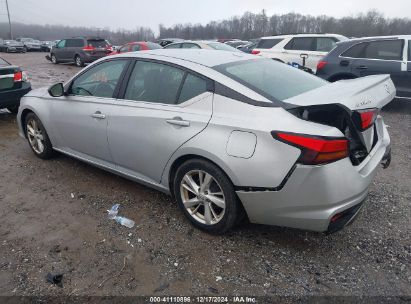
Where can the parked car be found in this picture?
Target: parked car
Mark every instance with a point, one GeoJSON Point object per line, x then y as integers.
{"type": "Point", "coordinates": [225, 133]}
{"type": "Point", "coordinates": [165, 41]}
{"type": "Point", "coordinates": [11, 46]}
{"type": "Point", "coordinates": [30, 44]}
{"type": "Point", "coordinates": [136, 46]}
{"type": "Point", "coordinates": [247, 48]}
{"type": "Point", "coordinates": [370, 56]}
{"type": "Point", "coordinates": [207, 45]}
{"type": "Point", "coordinates": [237, 43]}
{"type": "Point", "coordinates": [13, 85]}
{"type": "Point", "coordinates": [304, 49]}
{"type": "Point", "coordinates": [79, 50]}
{"type": "Point", "coordinates": [46, 46]}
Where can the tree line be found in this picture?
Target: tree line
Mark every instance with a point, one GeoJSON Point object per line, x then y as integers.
{"type": "Point", "coordinates": [247, 26]}
{"type": "Point", "coordinates": [250, 25]}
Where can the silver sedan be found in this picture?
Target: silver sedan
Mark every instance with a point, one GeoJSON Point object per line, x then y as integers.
{"type": "Point", "coordinates": [228, 135]}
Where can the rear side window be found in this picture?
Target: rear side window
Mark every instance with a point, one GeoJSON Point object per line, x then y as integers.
{"type": "Point", "coordinates": [301, 44]}
{"type": "Point", "coordinates": [190, 46]}
{"type": "Point", "coordinates": [325, 44]}
{"type": "Point", "coordinates": [135, 48]}
{"type": "Point", "coordinates": [385, 50]}
{"type": "Point", "coordinates": [357, 51]}
{"type": "Point", "coordinates": [193, 86]}
{"type": "Point", "coordinates": [268, 43]}
{"type": "Point", "coordinates": [154, 82]}
{"type": "Point", "coordinates": [100, 80]}
{"type": "Point", "coordinates": [97, 43]}
{"type": "Point", "coordinates": [74, 43]}
{"type": "Point", "coordinates": [173, 46]}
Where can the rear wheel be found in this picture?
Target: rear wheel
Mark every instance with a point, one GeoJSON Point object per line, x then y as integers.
{"type": "Point", "coordinates": [37, 137]}
{"type": "Point", "coordinates": [78, 61]}
{"type": "Point", "coordinates": [206, 196]}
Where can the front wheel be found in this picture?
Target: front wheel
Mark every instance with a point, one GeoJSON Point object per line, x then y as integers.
{"type": "Point", "coordinates": [37, 137]}
{"type": "Point", "coordinates": [207, 196]}
{"type": "Point", "coordinates": [54, 59]}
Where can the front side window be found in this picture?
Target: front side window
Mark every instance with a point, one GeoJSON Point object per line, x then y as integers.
{"type": "Point", "coordinates": [301, 44]}
{"type": "Point", "coordinates": [192, 87]}
{"type": "Point", "coordinates": [154, 82]}
{"type": "Point", "coordinates": [100, 80]}
{"type": "Point", "coordinates": [268, 43]}
{"type": "Point", "coordinates": [274, 80]}
{"type": "Point", "coordinates": [325, 44]}
{"type": "Point", "coordinates": [385, 50]}
{"type": "Point", "coordinates": [61, 44]}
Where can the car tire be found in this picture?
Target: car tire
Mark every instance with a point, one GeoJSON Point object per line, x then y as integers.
{"type": "Point", "coordinates": [25, 49]}
{"type": "Point", "coordinates": [207, 215]}
{"type": "Point", "coordinates": [37, 137]}
{"type": "Point", "coordinates": [78, 61]}
{"type": "Point", "coordinates": [13, 110]}
{"type": "Point", "coordinates": [54, 59]}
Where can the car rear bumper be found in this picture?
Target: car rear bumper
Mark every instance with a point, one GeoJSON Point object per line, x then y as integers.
{"type": "Point", "coordinates": [12, 97]}
{"type": "Point", "coordinates": [313, 195]}
{"type": "Point", "coordinates": [88, 58]}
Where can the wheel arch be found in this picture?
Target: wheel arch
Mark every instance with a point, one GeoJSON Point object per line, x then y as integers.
{"type": "Point", "coordinates": [178, 161]}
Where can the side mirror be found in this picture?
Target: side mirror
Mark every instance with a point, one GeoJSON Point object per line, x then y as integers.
{"type": "Point", "coordinates": [56, 90]}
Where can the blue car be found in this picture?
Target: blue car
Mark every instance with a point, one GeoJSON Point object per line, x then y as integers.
{"type": "Point", "coordinates": [369, 56]}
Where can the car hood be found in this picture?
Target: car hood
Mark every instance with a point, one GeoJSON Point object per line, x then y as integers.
{"type": "Point", "coordinates": [356, 94]}
{"type": "Point", "coordinates": [14, 44]}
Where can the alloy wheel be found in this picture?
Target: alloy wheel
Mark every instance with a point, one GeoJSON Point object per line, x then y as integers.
{"type": "Point", "coordinates": [35, 136]}
{"type": "Point", "coordinates": [203, 197]}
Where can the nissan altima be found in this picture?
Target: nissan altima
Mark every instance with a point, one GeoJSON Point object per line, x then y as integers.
{"type": "Point", "coordinates": [228, 135]}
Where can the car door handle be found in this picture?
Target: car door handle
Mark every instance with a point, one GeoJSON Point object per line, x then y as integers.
{"type": "Point", "coordinates": [361, 67]}
{"type": "Point", "coordinates": [344, 63]}
{"type": "Point", "coordinates": [98, 115]}
{"type": "Point", "coordinates": [178, 121]}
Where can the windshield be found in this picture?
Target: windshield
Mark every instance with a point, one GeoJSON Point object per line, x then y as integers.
{"type": "Point", "coordinates": [272, 79]}
{"type": "Point", "coordinates": [222, 47]}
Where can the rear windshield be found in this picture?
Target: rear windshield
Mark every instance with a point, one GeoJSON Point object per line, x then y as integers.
{"type": "Point", "coordinates": [274, 80]}
{"type": "Point", "coordinates": [222, 47]}
{"type": "Point", "coordinates": [97, 43]}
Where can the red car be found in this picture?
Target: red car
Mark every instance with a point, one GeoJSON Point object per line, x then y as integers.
{"type": "Point", "coordinates": [136, 46]}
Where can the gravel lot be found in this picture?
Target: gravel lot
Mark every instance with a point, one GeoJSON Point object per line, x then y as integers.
{"type": "Point", "coordinates": [54, 219]}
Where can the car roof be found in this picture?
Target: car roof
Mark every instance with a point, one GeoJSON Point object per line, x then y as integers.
{"type": "Point", "coordinates": [199, 56]}
{"type": "Point", "coordinates": [301, 35]}
{"type": "Point", "coordinates": [382, 37]}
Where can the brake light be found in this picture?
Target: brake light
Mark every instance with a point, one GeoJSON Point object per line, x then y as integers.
{"type": "Point", "coordinates": [255, 52]}
{"type": "Point", "coordinates": [89, 48]}
{"type": "Point", "coordinates": [315, 150]}
{"type": "Point", "coordinates": [109, 48]}
{"type": "Point", "coordinates": [18, 77]}
{"type": "Point", "coordinates": [365, 119]}
{"type": "Point", "coordinates": [321, 65]}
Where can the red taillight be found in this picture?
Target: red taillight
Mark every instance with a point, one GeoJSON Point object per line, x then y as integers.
{"type": "Point", "coordinates": [89, 48]}
{"type": "Point", "coordinates": [109, 48]}
{"type": "Point", "coordinates": [255, 52]}
{"type": "Point", "coordinates": [18, 76]}
{"type": "Point", "coordinates": [365, 119]}
{"type": "Point", "coordinates": [321, 65]}
{"type": "Point", "coordinates": [315, 150]}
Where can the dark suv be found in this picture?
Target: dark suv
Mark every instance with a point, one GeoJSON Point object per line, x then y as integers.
{"type": "Point", "coordinates": [80, 50]}
{"type": "Point", "coordinates": [369, 56]}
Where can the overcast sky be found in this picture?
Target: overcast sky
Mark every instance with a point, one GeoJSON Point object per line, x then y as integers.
{"type": "Point", "coordinates": [131, 13]}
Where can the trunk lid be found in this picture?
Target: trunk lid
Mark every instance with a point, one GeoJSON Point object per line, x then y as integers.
{"type": "Point", "coordinates": [356, 94]}
{"type": "Point", "coordinates": [341, 105]}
